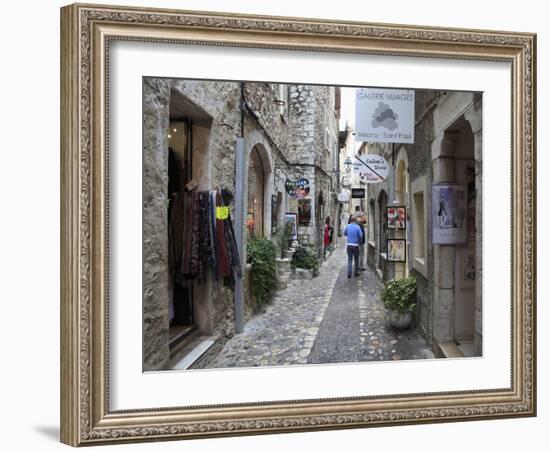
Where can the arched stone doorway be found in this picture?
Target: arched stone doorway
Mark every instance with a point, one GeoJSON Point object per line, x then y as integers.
{"type": "Point", "coordinates": [258, 213]}
{"type": "Point", "coordinates": [382, 234]}
{"type": "Point", "coordinates": [402, 192]}
{"type": "Point", "coordinates": [457, 284]}
{"type": "Point", "coordinates": [256, 187]}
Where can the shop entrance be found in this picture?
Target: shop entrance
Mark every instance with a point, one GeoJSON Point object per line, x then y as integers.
{"type": "Point", "coordinates": [179, 174]}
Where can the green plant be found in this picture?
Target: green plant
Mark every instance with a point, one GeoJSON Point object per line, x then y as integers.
{"type": "Point", "coordinates": [305, 258]}
{"type": "Point", "coordinates": [399, 294]}
{"type": "Point", "coordinates": [260, 253]}
{"type": "Point", "coordinates": [283, 238]}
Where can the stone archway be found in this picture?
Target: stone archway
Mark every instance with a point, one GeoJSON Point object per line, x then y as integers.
{"type": "Point", "coordinates": [259, 188]}
{"type": "Point", "coordinates": [401, 198]}
{"type": "Point", "coordinates": [457, 292]}
{"type": "Point", "coordinates": [382, 233]}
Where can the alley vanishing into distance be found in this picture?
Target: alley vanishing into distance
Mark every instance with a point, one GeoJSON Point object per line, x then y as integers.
{"type": "Point", "coordinates": [330, 319]}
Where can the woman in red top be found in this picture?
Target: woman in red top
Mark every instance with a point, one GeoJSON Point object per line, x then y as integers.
{"type": "Point", "coordinates": [327, 238]}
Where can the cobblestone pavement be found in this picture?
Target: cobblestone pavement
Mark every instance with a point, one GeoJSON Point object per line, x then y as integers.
{"type": "Point", "coordinates": [329, 319]}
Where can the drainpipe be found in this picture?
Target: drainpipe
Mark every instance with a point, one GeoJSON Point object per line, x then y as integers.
{"type": "Point", "coordinates": [239, 219]}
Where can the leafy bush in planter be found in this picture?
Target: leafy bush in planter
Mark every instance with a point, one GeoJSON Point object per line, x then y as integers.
{"type": "Point", "coordinates": [305, 258]}
{"type": "Point", "coordinates": [283, 238]}
{"type": "Point", "coordinates": [399, 295]}
{"type": "Point", "coordinates": [261, 254]}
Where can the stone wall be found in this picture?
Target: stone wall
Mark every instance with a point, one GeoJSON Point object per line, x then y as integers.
{"type": "Point", "coordinates": [289, 137]}
{"type": "Point", "coordinates": [155, 223]}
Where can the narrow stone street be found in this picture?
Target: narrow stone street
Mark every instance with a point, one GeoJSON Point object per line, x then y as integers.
{"type": "Point", "coordinates": [330, 319]}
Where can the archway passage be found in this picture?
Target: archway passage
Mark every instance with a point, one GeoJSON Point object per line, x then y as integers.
{"type": "Point", "coordinates": [402, 190]}
{"type": "Point", "coordinates": [256, 194]}
{"type": "Point", "coordinates": [455, 256]}
{"type": "Point", "coordinates": [382, 230]}
{"type": "Point", "coordinates": [465, 264]}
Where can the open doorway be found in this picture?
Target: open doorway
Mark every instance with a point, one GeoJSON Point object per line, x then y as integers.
{"type": "Point", "coordinates": [179, 174]}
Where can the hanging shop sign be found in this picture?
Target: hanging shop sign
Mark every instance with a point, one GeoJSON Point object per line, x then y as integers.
{"type": "Point", "coordinates": [384, 115]}
{"type": "Point", "coordinates": [357, 192]}
{"type": "Point", "coordinates": [298, 188]}
{"type": "Point", "coordinates": [343, 196]}
{"type": "Point", "coordinates": [371, 168]}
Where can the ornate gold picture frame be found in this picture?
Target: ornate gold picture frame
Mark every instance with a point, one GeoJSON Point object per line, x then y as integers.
{"type": "Point", "coordinates": [87, 32]}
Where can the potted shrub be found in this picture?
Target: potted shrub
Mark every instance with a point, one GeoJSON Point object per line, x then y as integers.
{"type": "Point", "coordinates": [261, 254]}
{"type": "Point", "coordinates": [305, 258]}
{"type": "Point", "coordinates": [399, 298]}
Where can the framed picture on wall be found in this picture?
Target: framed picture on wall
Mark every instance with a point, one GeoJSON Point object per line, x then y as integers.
{"type": "Point", "coordinates": [138, 127]}
{"type": "Point", "coordinates": [292, 220]}
{"type": "Point", "coordinates": [397, 217]}
{"type": "Point", "coordinates": [397, 250]}
{"type": "Point", "coordinates": [304, 211]}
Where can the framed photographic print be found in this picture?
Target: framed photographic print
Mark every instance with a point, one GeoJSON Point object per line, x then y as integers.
{"type": "Point", "coordinates": [292, 220]}
{"type": "Point", "coordinates": [396, 217]}
{"type": "Point", "coordinates": [169, 174]}
{"type": "Point", "coordinates": [304, 211]}
{"type": "Point", "coordinates": [397, 249]}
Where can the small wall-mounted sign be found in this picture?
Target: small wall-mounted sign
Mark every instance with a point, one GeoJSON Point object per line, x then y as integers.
{"type": "Point", "coordinates": [358, 193]}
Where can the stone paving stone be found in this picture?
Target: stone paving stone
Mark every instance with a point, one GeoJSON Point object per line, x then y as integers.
{"type": "Point", "coordinates": [330, 319]}
{"type": "Point", "coordinates": [285, 332]}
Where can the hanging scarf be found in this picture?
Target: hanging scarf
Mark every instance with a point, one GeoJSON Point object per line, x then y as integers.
{"type": "Point", "coordinates": [222, 256]}
{"type": "Point", "coordinates": [231, 242]}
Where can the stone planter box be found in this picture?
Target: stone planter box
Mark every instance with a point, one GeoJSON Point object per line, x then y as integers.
{"type": "Point", "coordinates": [400, 321]}
{"type": "Point", "coordinates": [283, 265]}
{"type": "Point", "coordinates": [302, 274]}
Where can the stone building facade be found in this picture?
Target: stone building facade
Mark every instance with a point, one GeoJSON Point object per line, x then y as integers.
{"type": "Point", "coordinates": [190, 130]}
{"type": "Point", "coordinates": [447, 150]}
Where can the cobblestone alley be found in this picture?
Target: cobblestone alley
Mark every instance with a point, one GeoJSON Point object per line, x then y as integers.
{"type": "Point", "coordinates": [330, 319]}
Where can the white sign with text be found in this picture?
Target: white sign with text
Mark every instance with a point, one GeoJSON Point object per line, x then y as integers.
{"type": "Point", "coordinates": [371, 168]}
{"type": "Point", "coordinates": [384, 115]}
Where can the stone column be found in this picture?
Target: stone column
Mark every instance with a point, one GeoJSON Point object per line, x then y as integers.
{"type": "Point", "coordinates": [474, 117]}
{"type": "Point", "coordinates": [443, 151]}
{"type": "Point", "coordinates": [156, 283]}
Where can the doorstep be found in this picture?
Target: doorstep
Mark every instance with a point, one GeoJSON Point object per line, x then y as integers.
{"type": "Point", "coordinates": [193, 351]}
{"type": "Point", "coordinates": [450, 350]}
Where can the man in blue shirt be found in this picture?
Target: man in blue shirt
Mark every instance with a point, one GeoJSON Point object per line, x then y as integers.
{"type": "Point", "coordinates": [354, 236]}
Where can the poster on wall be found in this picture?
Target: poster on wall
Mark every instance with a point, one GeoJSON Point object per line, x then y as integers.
{"type": "Point", "coordinates": [449, 205]}
{"type": "Point", "coordinates": [304, 211]}
{"type": "Point", "coordinates": [292, 220]}
{"type": "Point", "coordinates": [397, 217]}
{"type": "Point", "coordinates": [397, 250]}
